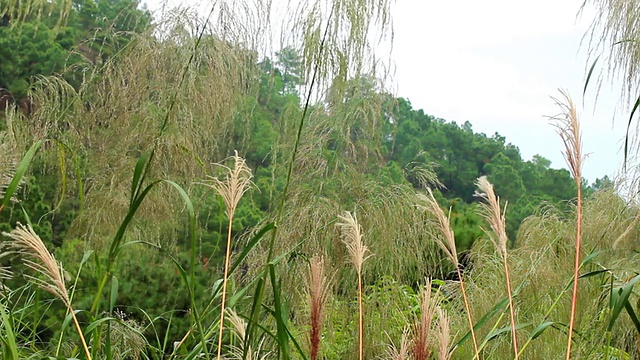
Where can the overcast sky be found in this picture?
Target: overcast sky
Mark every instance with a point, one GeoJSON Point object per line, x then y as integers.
{"type": "Point", "coordinates": [496, 64]}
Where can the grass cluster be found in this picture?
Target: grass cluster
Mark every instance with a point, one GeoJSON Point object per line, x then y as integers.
{"type": "Point", "coordinates": [329, 273]}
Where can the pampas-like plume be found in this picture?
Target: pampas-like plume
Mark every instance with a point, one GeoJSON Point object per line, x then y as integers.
{"type": "Point", "coordinates": [352, 238]}
{"type": "Point", "coordinates": [422, 341]}
{"type": "Point", "coordinates": [317, 298]}
{"type": "Point", "coordinates": [490, 210]}
{"type": "Point", "coordinates": [235, 183]}
{"type": "Point", "coordinates": [399, 353]}
{"type": "Point", "coordinates": [448, 246]}
{"type": "Point", "coordinates": [49, 274]}
{"type": "Point", "coordinates": [568, 127]}
{"type": "Point", "coordinates": [443, 334]}
{"type": "Point", "coordinates": [239, 326]}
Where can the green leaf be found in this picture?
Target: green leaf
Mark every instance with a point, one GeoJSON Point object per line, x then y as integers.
{"type": "Point", "coordinates": [626, 137]}
{"type": "Point", "coordinates": [623, 297]}
{"type": "Point", "coordinates": [499, 306]}
{"type": "Point", "coordinates": [114, 294]}
{"type": "Point", "coordinates": [586, 83]}
{"type": "Point", "coordinates": [137, 176]}
{"type": "Point", "coordinates": [20, 171]}
{"type": "Point", "coordinates": [279, 314]}
{"type": "Point", "coordinates": [540, 329]}
{"type": "Point", "coordinates": [632, 315]}
{"type": "Point", "coordinates": [507, 329]}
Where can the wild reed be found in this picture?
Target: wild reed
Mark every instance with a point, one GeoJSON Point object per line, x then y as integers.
{"type": "Point", "coordinates": [236, 182]}
{"type": "Point", "coordinates": [443, 334]}
{"type": "Point", "coordinates": [448, 246]}
{"type": "Point", "coordinates": [49, 274]}
{"type": "Point", "coordinates": [422, 340]}
{"type": "Point", "coordinates": [490, 210]}
{"type": "Point", "coordinates": [352, 238]}
{"type": "Point", "coordinates": [568, 127]}
{"type": "Point", "coordinates": [399, 352]}
{"type": "Point", "coordinates": [317, 298]}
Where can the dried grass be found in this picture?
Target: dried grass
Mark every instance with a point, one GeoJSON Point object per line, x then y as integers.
{"type": "Point", "coordinates": [49, 274]}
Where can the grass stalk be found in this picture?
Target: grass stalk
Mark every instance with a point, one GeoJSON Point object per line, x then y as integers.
{"type": "Point", "coordinates": [490, 210]}
{"type": "Point", "coordinates": [448, 246]}
{"type": "Point", "coordinates": [49, 273]}
{"type": "Point", "coordinates": [317, 298]}
{"type": "Point", "coordinates": [568, 127]}
{"type": "Point", "coordinates": [352, 238]}
{"type": "Point", "coordinates": [236, 182]}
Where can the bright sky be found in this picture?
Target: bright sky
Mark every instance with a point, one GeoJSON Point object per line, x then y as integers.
{"type": "Point", "coordinates": [496, 63]}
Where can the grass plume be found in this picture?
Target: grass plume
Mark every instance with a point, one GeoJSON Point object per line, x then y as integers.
{"type": "Point", "coordinates": [490, 210]}
{"type": "Point", "coordinates": [443, 334]}
{"type": "Point", "coordinates": [49, 274]}
{"type": "Point", "coordinates": [317, 298]}
{"type": "Point", "coordinates": [568, 127]}
{"type": "Point", "coordinates": [231, 187]}
{"type": "Point", "coordinates": [447, 244]}
{"type": "Point", "coordinates": [422, 339]}
{"type": "Point", "coordinates": [352, 238]}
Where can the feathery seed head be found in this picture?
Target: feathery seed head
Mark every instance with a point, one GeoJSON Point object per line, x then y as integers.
{"type": "Point", "coordinates": [448, 245]}
{"type": "Point", "coordinates": [49, 273]}
{"type": "Point", "coordinates": [568, 127]}
{"type": "Point", "coordinates": [490, 210]}
{"type": "Point", "coordinates": [233, 185]}
{"type": "Point", "coordinates": [317, 298]}
{"type": "Point", "coordinates": [443, 334]}
{"type": "Point", "coordinates": [352, 238]}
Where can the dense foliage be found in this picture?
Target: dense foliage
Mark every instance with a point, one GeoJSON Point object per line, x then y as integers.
{"type": "Point", "coordinates": [131, 132]}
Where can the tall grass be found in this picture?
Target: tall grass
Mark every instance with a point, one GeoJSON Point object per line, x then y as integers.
{"type": "Point", "coordinates": [495, 217]}
{"type": "Point", "coordinates": [446, 242]}
{"type": "Point", "coordinates": [568, 127]}
{"type": "Point", "coordinates": [236, 181]}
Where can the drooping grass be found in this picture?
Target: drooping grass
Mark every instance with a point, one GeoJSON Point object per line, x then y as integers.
{"type": "Point", "coordinates": [358, 254]}
{"type": "Point", "coordinates": [446, 242]}
{"type": "Point", "coordinates": [236, 182]}
{"type": "Point", "coordinates": [568, 127]}
{"type": "Point", "coordinates": [48, 273]}
{"type": "Point", "coordinates": [495, 217]}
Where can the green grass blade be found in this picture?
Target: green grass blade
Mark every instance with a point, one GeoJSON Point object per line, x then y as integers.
{"type": "Point", "coordinates": [499, 306]}
{"type": "Point", "coordinates": [137, 176]}
{"type": "Point", "coordinates": [507, 329]}
{"type": "Point", "coordinates": [541, 328]}
{"type": "Point", "coordinates": [252, 243]}
{"type": "Point", "coordinates": [254, 322]}
{"type": "Point", "coordinates": [279, 315]}
{"type": "Point", "coordinates": [19, 174]}
{"type": "Point", "coordinates": [10, 348]}
{"type": "Point", "coordinates": [626, 137]}
{"type": "Point", "coordinates": [624, 294]}
{"type": "Point", "coordinates": [586, 83]}
{"type": "Point", "coordinates": [632, 315]}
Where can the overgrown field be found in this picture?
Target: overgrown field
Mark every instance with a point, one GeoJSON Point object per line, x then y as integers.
{"type": "Point", "coordinates": [182, 187]}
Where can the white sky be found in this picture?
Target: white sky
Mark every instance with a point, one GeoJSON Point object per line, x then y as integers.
{"type": "Point", "coordinates": [496, 63]}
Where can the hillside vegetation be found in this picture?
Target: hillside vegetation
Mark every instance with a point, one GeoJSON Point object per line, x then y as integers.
{"type": "Point", "coordinates": [173, 190]}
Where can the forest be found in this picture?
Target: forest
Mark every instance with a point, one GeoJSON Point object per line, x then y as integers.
{"type": "Point", "coordinates": [179, 187]}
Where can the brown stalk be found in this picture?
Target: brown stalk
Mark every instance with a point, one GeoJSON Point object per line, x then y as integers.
{"type": "Point", "coordinates": [443, 335]}
{"type": "Point", "coordinates": [490, 210]}
{"type": "Point", "coordinates": [448, 246]}
{"type": "Point", "coordinates": [317, 298]}
{"type": "Point", "coordinates": [568, 127]}
{"type": "Point", "coordinates": [236, 182]}
{"type": "Point", "coordinates": [49, 273]}
{"type": "Point", "coordinates": [352, 238]}
{"type": "Point", "coordinates": [422, 327]}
